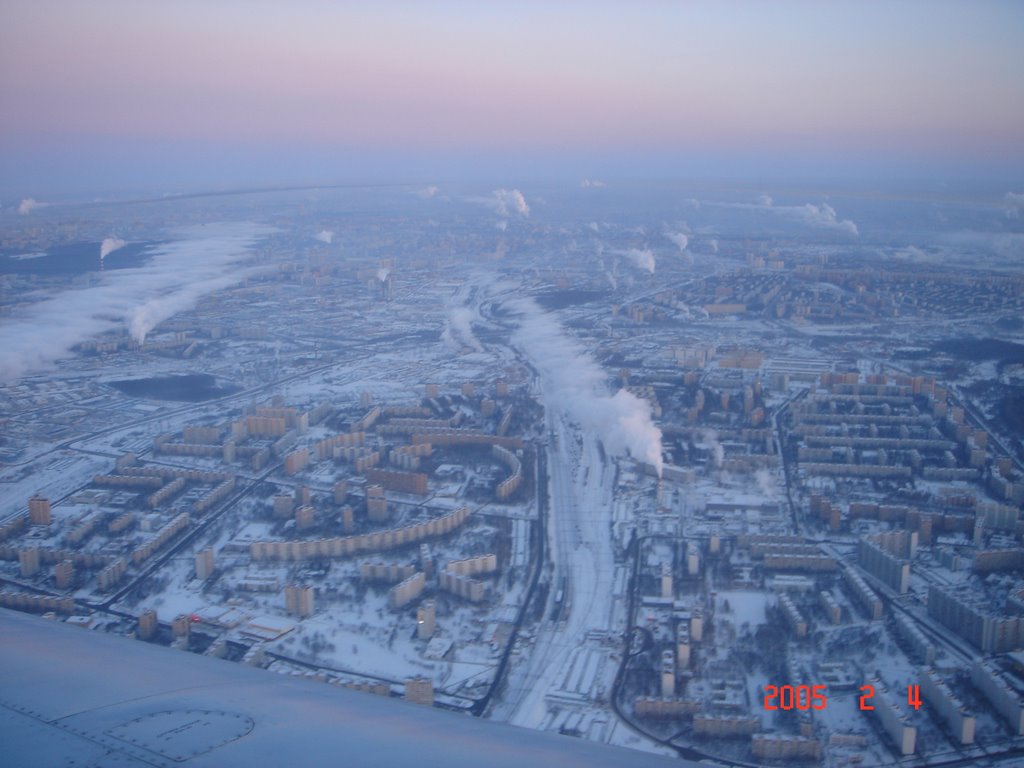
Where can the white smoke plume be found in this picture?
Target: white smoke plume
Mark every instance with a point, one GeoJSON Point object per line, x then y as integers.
{"type": "Point", "coordinates": [507, 203]}
{"type": "Point", "coordinates": [765, 483]}
{"type": "Point", "coordinates": [383, 273]}
{"type": "Point", "coordinates": [591, 183]}
{"type": "Point", "coordinates": [428, 192]}
{"type": "Point", "coordinates": [594, 226]}
{"type": "Point", "coordinates": [713, 244]}
{"type": "Point", "coordinates": [143, 319]}
{"type": "Point", "coordinates": [1006, 245]}
{"type": "Point", "coordinates": [681, 240]}
{"type": "Point", "coordinates": [573, 382]}
{"type": "Point", "coordinates": [511, 201]}
{"type": "Point", "coordinates": [203, 259]}
{"type": "Point", "coordinates": [710, 437]}
{"type": "Point", "coordinates": [824, 215]}
{"type": "Point", "coordinates": [643, 259]}
{"type": "Point", "coordinates": [1014, 204]}
{"type": "Point", "coordinates": [325, 236]}
{"type": "Point", "coordinates": [914, 254]}
{"type": "Point", "coordinates": [28, 205]}
{"type": "Point", "coordinates": [458, 329]}
{"type": "Point", "coordinates": [612, 281]}
{"type": "Point", "coordinates": [109, 245]}
{"type": "Point", "coordinates": [502, 225]}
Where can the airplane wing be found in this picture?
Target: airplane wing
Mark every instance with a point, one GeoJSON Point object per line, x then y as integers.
{"type": "Point", "coordinates": [71, 697]}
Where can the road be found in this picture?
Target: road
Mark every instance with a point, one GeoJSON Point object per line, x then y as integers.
{"type": "Point", "coordinates": [787, 468]}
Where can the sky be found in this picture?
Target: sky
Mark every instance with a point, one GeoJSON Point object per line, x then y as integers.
{"type": "Point", "coordinates": [221, 92]}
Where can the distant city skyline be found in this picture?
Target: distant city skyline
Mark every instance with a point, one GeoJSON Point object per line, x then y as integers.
{"type": "Point", "coordinates": [114, 93]}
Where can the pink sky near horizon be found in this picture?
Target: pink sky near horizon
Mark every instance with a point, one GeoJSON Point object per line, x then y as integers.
{"type": "Point", "coordinates": [934, 76]}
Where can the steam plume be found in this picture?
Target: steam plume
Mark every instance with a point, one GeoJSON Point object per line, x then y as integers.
{"type": "Point", "coordinates": [27, 205]}
{"type": "Point", "coordinates": [825, 215]}
{"type": "Point", "coordinates": [144, 318]}
{"type": "Point", "coordinates": [511, 200]}
{"type": "Point", "coordinates": [109, 245]}
{"type": "Point", "coordinates": [717, 451]}
{"type": "Point", "coordinates": [576, 384]}
{"type": "Point", "coordinates": [325, 236]}
{"type": "Point", "coordinates": [203, 259]}
{"type": "Point", "coordinates": [1014, 203]}
{"type": "Point", "coordinates": [681, 240]}
{"type": "Point", "coordinates": [643, 259]}
{"type": "Point", "coordinates": [765, 483]}
{"type": "Point", "coordinates": [459, 329]}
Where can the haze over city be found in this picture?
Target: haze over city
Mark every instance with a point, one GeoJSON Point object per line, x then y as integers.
{"type": "Point", "coordinates": [582, 383]}
{"type": "Point", "coordinates": [192, 93]}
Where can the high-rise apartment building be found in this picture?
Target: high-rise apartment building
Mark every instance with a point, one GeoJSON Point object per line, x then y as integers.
{"type": "Point", "coordinates": [147, 625]}
{"type": "Point", "coordinates": [39, 512]}
{"type": "Point", "coordinates": [204, 564]}
{"type": "Point", "coordinates": [426, 618]}
{"type": "Point", "coordinates": [376, 503]}
{"type": "Point", "coordinates": [298, 600]}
